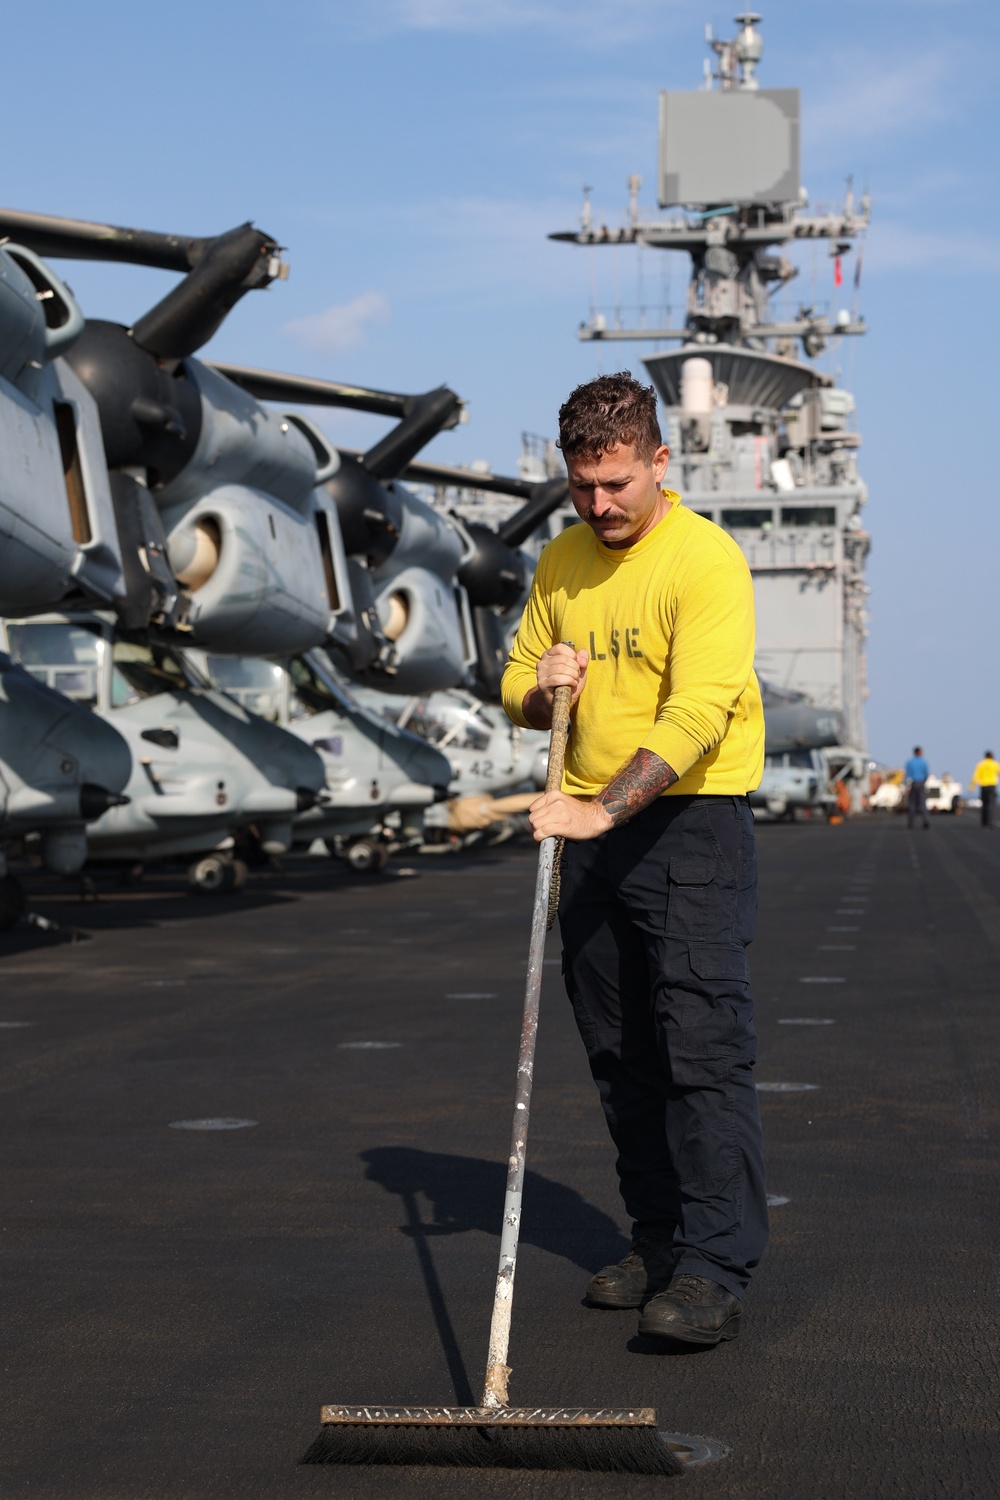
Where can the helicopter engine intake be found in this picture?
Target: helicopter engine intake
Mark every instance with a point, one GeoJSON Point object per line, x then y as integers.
{"type": "Point", "coordinates": [255, 570]}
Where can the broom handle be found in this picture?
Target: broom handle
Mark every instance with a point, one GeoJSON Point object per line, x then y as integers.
{"type": "Point", "coordinates": [497, 1371]}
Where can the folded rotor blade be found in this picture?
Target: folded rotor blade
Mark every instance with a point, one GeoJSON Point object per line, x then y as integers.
{"type": "Point", "coordinates": [80, 239]}
{"type": "Point", "coordinates": [421, 417]}
{"type": "Point", "coordinates": [271, 385]}
{"type": "Point", "coordinates": [425, 417]}
{"type": "Point", "coordinates": [547, 496]}
{"type": "Point", "coordinates": [421, 472]}
{"type": "Point", "coordinates": [466, 479]}
{"type": "Point", "coordinates": [231, 265]}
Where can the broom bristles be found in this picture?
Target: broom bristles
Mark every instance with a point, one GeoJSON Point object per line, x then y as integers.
{"type": "Point", "coordinates": [605, 1449]}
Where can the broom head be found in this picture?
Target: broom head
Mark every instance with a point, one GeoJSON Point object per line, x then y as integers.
{"type": "Point", "coordinates": [606, 1439]}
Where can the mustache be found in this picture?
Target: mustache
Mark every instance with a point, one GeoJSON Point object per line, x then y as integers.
{"type": "Point", "coordinates": [609, 515]}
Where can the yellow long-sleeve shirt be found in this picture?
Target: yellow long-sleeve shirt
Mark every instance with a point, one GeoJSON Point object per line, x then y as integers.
{"type": "Point", "coordinates": [987, 773]}
{"type": "Point", "coordinates": [669, 624]}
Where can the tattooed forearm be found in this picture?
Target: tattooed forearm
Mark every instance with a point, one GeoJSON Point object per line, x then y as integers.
{"type": "Point", "coordinates": [636, 786]}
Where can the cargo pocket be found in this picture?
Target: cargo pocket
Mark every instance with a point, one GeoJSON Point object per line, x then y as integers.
{"type": "Point", "coordinates": [711, 1029]}
{"type": "Point", "coordinates": [720, 961]}
{"type": "Point", "coordinates": [689, 897]}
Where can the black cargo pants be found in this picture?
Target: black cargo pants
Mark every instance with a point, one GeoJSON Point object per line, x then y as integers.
{"type": "Point", "coordinates": [916, 803]}
{"type": "Point", "coordinates": [988, 798]}
{"type": "Point", "coordinates": [656, 916]}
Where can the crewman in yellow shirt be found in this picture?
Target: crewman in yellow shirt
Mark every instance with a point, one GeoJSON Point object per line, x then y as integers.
{"type": "Point", "coordinates": [985, 777]}
{"type": "Point", "coordinates": [659, 877]}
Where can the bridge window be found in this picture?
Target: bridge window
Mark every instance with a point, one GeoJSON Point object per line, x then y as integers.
{"type": "Point", "coordinates": [808, 515]}
{"type": "Point", "coordinates": [747, 520]}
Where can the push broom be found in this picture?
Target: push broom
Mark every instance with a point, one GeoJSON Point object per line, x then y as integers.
{"type": "Point", "coordinates": [495, 1434]}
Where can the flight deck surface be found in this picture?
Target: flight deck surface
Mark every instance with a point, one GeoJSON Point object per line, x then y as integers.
{"type": "Point", "coordinates": [179, 1302]}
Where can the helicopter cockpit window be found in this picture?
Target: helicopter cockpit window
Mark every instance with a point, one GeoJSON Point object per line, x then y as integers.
{"type": "Point", "coordinates": [63, 656]}
{"type": "Point", "coordinates": [311, 693]}
{"type": "Point", "coordinates": [470, 728]}
{"type": "Point", "coordinates": [255, 683]}
{"type": "Point", "coordinates": [455, 726]}
{"type": "Point", "coordinates": [468, 734]}
{"type": "Point", "coordinates": [334, 681]}
{"type": "Point", "coordinates": [142, 671]}
{"type": "Point", "coordinates": [418, 718]}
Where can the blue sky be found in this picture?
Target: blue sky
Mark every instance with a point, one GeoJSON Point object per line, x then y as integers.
{"type": "Point", "coordinates": [413, 154]}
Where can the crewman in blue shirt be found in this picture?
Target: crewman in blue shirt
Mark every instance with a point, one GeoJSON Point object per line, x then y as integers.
{"type": "Point", "coordinates": [917, 772]}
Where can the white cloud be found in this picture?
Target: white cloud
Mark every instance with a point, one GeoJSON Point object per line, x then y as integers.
{"type": "Point", "coordinates": [342, 326]}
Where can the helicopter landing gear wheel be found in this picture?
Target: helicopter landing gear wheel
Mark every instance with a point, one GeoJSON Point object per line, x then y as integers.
{"type": "Point", "coordinates": [13, 902]}
{"type": "Point", "coordinates": [367, 856]}
{"type": "Point", "coordinates": [215, 874]}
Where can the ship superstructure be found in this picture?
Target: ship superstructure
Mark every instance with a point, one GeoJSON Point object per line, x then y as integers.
{"type": "Point", "coordinates": [762, 440]}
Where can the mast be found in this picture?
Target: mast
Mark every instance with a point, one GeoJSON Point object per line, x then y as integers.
{"type": "Point", "coordinates": [729, 169]}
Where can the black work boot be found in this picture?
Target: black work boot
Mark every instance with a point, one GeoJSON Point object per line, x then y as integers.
{"type": "Point", "coordinates": [647, 1267]}
{"type": "Point", "coordinates": [693, 1310]}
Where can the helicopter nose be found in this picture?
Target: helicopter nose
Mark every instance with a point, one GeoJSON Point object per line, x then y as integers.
{"type": "Point", "coordinates": [95, 801]}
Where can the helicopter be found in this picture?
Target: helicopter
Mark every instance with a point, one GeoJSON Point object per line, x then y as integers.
{"type": "Point", "coordinates": [219, 523]}
{"type": "Point", "coordinates": [201, 767]}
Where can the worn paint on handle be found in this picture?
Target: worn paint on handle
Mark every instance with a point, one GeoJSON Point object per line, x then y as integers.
{"type": "Point", "coordinates": [497, 1369]}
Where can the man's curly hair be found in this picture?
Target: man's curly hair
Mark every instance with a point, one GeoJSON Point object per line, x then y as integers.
{"type": "Point", "coordinates": [607, 411]}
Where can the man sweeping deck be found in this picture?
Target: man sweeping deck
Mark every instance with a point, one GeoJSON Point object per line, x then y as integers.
{"type": "Point", "coordinates": [659, 880]}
